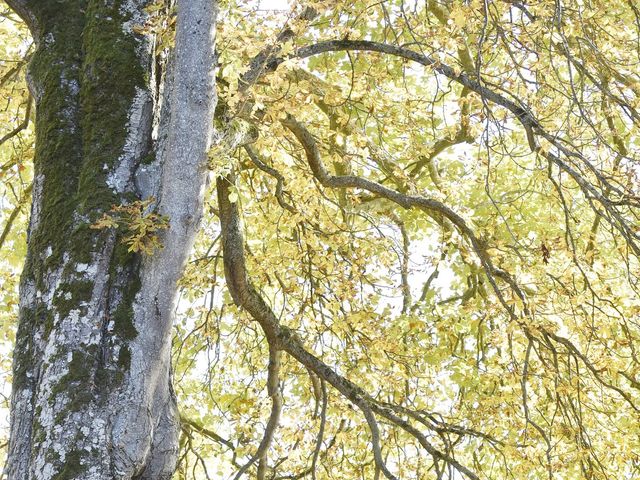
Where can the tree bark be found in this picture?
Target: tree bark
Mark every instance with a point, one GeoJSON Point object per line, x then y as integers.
{"type": "Point", "coordinates": [92, 396]}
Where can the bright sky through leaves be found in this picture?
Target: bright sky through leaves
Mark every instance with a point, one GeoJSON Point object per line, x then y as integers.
{"type": "Point", "coordinates": [441, 201]}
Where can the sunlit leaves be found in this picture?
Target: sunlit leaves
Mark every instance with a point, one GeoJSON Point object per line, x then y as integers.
{"type": "Point", "coordinates": [141, 225]}
{"type": "Point", "coordinates": [331, 266]}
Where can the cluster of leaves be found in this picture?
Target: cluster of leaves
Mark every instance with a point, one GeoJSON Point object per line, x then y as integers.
{"type": "Point", "coordinates": [139, 222]}
{"type": "Point", "coordinates": [160, 24]}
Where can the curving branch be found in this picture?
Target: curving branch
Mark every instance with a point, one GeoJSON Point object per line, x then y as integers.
{"type": "Point", "coordinates": [241, 289]}
{"type": "Point", "coordinates": [428, 205]}
{"type": "Point", "coordinates": [284, 339]}
{"type": "Point", "coordinates": [521, 112]}
{"type": "Point", "coordinates": [273, 390]}
{"type": "Point", "coordinates": [24, 124]}
{"type": "Point", "coordinates": [26, 12]}
{"type": "Point", "coordinates": [533, 129]}
{"type": "Point", "coordinates": [292, 344]}
{"type": "Point", "coordinates": [255, 159]}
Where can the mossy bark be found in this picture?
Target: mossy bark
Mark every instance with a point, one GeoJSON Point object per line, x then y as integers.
{"type": "Point", "coordinates": [91, 389]}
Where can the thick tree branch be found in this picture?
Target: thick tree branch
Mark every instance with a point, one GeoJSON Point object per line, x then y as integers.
{"type": "Point", "coordinates": [522, 113]}
{"type": "Point", "coordinates": [428, 205]}
{"type": "Point", "coordinates": [22, 8]}
{"type": "Point", "coordinates": [241, 289]}
{"type": "Point", "coordinates": [246, 296]}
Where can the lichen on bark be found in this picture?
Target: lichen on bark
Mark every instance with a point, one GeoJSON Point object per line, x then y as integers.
{"type": "Point", "coordinates": [91, 78]}
{"type": "Point", "coordinates": [91, 396]}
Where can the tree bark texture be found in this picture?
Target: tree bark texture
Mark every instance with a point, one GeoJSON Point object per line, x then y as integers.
{"type": "Point", "coordinates": [92, 396]}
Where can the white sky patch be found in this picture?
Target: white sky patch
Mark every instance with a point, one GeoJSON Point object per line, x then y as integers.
{"type": "Point", "coordinates": [274, 4]}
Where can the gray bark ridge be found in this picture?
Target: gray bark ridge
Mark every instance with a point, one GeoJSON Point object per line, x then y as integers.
{"type": "Point", "coordinates": [92, 396]}
{"type": "Point", "coordinates": [181, 196]}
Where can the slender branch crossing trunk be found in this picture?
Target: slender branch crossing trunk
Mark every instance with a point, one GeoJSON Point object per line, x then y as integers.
{"type": "Point", "coordinates": [92, 396]}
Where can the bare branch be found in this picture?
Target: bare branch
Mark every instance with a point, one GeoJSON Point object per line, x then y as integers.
{"type": "Point", "coordinates": [273, 390]}
{"type": "Point", "coordinates": [24, 124]}
{"type": "Point", "coordinates": [190, 423]}
{"type": "Point", "coordinates": [14, 214]}
{"type": "Point", "coordinates": [255, 159]}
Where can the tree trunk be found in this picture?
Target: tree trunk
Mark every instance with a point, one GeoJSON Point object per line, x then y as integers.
{"type": "Point", "coordinates": [92, 396]}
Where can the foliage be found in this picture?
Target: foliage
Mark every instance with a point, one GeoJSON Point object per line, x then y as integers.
{"type": "Point", "coordinates": [141, 225]}
{"type": "Point", "coordinates": [507, 335]}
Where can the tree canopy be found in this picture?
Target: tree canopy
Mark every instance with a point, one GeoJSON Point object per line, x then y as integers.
{"type": "Point", "coordinates": [419, 256]}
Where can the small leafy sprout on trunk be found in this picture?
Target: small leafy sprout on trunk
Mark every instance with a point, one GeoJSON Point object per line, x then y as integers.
{"type": "Point", "coordinates": [140, 224]}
